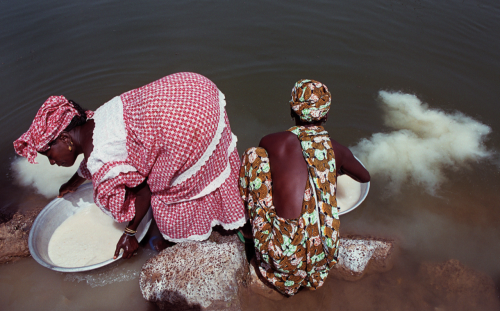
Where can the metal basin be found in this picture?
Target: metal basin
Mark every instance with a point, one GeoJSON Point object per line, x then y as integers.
{"type": "Point", "coordinates": [365, 187]}
{"type": "Point", "coordinates": [55, 213]}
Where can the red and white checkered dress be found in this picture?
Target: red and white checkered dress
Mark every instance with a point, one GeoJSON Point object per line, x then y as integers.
{"type": "Point", "coordinates": [177, 134]}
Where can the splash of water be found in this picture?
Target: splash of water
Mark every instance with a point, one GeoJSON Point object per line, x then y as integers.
{"type": "Point", "coordinates": [44, 177]}
{"type": "Point", "coordinates": [425, 142]}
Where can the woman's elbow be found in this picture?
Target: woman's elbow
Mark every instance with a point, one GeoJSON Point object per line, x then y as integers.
{"type": "Point", "coordinates": [143, 191]}
{"type": "Point", "coordinates": [365, 177]}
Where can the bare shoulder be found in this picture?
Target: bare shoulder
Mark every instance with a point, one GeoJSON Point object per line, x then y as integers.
{"type": "Point", "coordinates": [340, 150]}
{"type": "Point", "coordinates": [280, 141]}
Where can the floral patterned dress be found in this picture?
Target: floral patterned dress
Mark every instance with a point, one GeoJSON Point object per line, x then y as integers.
{"type": "Point", "coordinates": [294, 252]}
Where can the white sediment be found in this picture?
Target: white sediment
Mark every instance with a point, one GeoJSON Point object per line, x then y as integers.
{"type": "Point", "coordinates": [45, 178]}
{"type": "Point", "coordinates": [424, 142]}
{"type": "Point", "coordinates": [86, 238]}
{"type": "Point", "coordinates": [348, 192]}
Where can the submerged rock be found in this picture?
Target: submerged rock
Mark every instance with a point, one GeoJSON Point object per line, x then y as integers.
{"type": "Point", "coordinates": [196, 275]}
{"type": "Point", "coordinates": [362, 255]}
{"type": "Point", "coordinates": [458, 287]}
{"type": "Point", "coordinates": [14, 236]}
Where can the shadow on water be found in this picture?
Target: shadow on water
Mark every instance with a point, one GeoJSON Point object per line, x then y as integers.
{"type": "Point", "coordinates": [178, 303]}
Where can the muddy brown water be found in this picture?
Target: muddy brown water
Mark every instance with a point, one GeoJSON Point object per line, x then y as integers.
{"type": "Point", "coordinates": [445, 52]}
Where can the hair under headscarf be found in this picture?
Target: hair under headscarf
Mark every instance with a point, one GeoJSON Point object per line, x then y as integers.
{"type": "Point", "coordinates": [51, 119]}
{"type": "Point", "coordinates": [310, 100]}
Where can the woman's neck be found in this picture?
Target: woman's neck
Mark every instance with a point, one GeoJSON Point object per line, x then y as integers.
{"type": "Point", "coordinates": [82, 138]}
{"type": "Point", "coordinates": [308, 124]}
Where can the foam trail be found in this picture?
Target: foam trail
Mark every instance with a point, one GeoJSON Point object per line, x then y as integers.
{"type": "Point", "coordinates": [104, 278]}
{"type": "Point", "coordinates": [425, 142]}
{"type": "Point", "coordinates": [45, 178]}
{"type": "Point", "coordinates": [113, 273]}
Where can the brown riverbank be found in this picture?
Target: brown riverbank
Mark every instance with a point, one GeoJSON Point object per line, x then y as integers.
{"type": "Point", "coordinates": [14, 235]}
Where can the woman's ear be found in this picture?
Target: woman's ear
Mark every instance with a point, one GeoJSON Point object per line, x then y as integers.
{"type": "Point", "coordinates": [66, 138]}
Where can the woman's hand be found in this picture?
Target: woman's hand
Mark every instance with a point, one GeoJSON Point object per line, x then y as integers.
{"type": "Point", "coordinates": [71, 185]}
{"type": "Point", "coordinates": [129, 245]}
{"type": "Point", "coordinates": [67, 188]}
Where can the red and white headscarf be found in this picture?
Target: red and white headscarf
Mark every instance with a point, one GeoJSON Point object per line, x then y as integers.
{"type": "Point", "coordinates": [51, 119]}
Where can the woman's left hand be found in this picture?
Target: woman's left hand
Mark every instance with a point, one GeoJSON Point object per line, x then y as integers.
{"type": "Point", "coordinates": [129, 245]}
{"type": "Point", "coordinates": [142, 195]}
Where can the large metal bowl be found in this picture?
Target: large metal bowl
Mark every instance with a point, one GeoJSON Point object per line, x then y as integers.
{"type": "Point", "coordinates": [55, 213]}
{"type": "Point", "coordinates": [365, 188]}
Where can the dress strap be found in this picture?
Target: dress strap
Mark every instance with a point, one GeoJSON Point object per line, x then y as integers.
{"type": "Point", "coordinates": [320, 159]}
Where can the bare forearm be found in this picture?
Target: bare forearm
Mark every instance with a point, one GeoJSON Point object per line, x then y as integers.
{"type": "Point", "coordinates": [76, 180]}
{"type": "Point", "coordinates": [356, 171]}
{"type": "Point", "coordinates": [71, 185]}
{"type": "Point", "coordinates": [142, 203]}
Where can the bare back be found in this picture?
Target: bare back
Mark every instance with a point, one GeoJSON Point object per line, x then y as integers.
{"type": "Point", "coordinates": [289, 170]}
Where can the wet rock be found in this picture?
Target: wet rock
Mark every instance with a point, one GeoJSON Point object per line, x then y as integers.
{"type": "Point", "coordinates": [362, 255]}
{"type": "Point", "coordinates": [14, 236]}
{"type": "Point", "coordinates": [197, 275]}
{"type": "Point", "coordinates": [458, 287]}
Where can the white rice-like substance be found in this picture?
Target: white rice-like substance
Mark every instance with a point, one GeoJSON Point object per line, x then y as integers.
{"type": "Point", "coordinates": [348, 192]}
{"type": "Point", "coordinates": [86, 238]}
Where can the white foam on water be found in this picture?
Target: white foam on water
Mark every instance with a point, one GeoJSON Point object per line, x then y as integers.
{"type": "Point", "coordinates": [121, 271]}
{"type": "Point", "coordinates": [117, 274]}
{"type": "Point", "coordinates": [44, 177]}
{"type": "Point", "coordinates": [425, 141]}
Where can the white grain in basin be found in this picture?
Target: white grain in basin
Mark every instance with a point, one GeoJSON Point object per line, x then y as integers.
{"type": "Point", "coordinates": [86, 238]}
{"type": "Point", "coordinates": [348, 192]}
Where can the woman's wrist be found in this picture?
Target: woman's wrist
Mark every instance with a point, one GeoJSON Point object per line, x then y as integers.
{"type": "Point", "coordinates": [76, 180]}
{"type": "Point", "coordinates": [129, 232]}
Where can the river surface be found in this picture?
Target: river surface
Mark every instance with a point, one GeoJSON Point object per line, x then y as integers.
{"type": "Point", "coordinates": [445, 52]}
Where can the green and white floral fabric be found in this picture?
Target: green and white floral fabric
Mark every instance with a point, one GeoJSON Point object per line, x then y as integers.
{"type": "Point", "coordinates": [294, 252]}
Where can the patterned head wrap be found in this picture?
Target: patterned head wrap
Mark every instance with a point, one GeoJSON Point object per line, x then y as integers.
{"type": "Point", "coordinates": [310, 100]}
{"type": "Point", "coordinates": [51, 119]}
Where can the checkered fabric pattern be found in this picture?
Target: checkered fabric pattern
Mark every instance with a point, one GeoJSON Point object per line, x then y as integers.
{"type": "Point", "coordinates": [51, 119]}
{"type": "Point", "coordinates": [170, 123]}
{"type": "Point", "coordinates": [83, 171]}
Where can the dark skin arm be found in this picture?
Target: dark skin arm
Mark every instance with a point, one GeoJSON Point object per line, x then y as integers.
{"type": "Point", "coordinates": [80, 139]}
{"type": "Point", "coordinates": [71, 185]}
{"type": "Point", "coordinates": [129, 244]}
{"type": "Point", "coordinates": [347, 164]}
